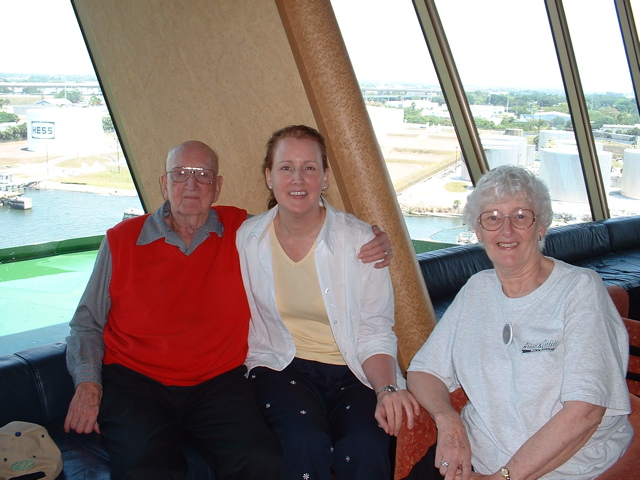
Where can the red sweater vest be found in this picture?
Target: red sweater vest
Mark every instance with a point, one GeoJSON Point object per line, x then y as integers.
{"type": "Point", "coordinates": [179, 319]}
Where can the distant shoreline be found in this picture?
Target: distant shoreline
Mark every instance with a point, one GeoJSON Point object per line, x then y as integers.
{"type": "Point", "coordinates": [409, 208]}
{"type": "Point", "coordinates": [77, 187]}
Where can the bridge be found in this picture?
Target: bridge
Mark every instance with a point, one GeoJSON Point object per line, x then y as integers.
{"type": "Point", "coordinates": [84, 87]}
{"type": "Point", "coordinates": [399, 93]}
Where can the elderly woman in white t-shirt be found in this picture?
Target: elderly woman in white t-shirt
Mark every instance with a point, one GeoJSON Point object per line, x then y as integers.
{"type": "Point", "coordinates": [536, 344]}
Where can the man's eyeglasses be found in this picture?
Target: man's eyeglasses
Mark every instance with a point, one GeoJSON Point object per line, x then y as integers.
{"type": "Point", "coordinates": [202, 175]}
{"type": "Point", "coordinates": [521, 218]}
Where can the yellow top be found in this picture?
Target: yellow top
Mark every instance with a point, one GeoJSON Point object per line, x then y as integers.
{"type": "Point", "coordinates": [299, 301]}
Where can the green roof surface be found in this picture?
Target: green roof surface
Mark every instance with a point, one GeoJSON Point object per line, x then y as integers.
{"type": "Point", "coordinates": [38, 298]}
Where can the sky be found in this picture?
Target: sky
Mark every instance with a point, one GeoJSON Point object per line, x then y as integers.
{"type": "Point", "coordinates": [44, 38]}
{"type": "Point", "coordinates": [494, 45]}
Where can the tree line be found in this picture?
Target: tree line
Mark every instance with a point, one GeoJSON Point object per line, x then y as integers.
{"type": "Point", "coordinates": [603, 109]}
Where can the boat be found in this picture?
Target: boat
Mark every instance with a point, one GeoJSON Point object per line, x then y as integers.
{"type": "Point", "coordinates": [466, 237]}
{"type": "Point", "coordinates": [9, 185]}
{"type": "Point", "coordinates": [10, 190]}
{"type": "Point", "coordinates": [20, 203]}
{"type": "Point", "coordinates": [132, 212]}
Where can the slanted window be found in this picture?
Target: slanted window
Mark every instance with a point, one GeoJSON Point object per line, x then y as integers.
{"type": "Point", "coordinates": [508, 69]}
{"type": "Point", "coordinates": [63, 176]}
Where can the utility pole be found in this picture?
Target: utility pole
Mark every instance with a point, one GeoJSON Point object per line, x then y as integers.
{"type": "Point", "coordinates": [118, 154]}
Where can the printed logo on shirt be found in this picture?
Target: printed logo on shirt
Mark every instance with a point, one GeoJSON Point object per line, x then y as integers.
{"type": "Point", "coordinates": [544, 346]}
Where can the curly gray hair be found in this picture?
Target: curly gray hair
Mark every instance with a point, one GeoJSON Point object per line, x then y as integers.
{"type": "Point", "coordinates": [504, 183]}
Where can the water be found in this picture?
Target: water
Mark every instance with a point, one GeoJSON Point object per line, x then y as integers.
{"type": "Point", "coordinates": [434, 228]}
{"type": "Point", "coordinates": [59, 215]}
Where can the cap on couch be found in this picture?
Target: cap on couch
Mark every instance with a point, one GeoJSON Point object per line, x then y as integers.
{"type": "Point", "coordinates": [27, 451]}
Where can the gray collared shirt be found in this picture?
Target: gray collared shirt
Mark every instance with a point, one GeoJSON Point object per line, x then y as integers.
{"type": "Point", "coordinates": [85, 344]}
{"type": "Point", "coordinates": [155, 228]}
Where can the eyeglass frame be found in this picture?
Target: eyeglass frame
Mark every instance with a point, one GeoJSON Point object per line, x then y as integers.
{"type": "Point", "coordinates": [533, 221]}
{"type": "Point", "coordinates": [192, 170]}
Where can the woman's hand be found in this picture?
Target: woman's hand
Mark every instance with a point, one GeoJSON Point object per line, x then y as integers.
{"type": "Point", "coordinates": [453, 451]}
{"type": "Point", "coordinates": [378, 249]}
{"type": "Point", "coordinates": [390, 407]}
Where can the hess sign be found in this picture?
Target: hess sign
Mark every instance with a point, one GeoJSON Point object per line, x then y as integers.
{"type": "Point", "coordinates": [45, 130]}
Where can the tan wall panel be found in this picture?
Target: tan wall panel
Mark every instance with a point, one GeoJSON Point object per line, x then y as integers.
{"type": "Point", "coordinates": [218, 71]}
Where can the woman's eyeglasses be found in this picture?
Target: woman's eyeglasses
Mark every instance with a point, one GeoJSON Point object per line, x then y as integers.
{"type": "Point", "coordinates": [521, 218]}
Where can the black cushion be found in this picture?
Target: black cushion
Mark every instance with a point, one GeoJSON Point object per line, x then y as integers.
{"type": "Point", "coordinates": [49, 368]}
{"type": "Point", "coordinates": [446, 271]}
{"type": "Point", "coordinates": [624, 232]}
{"type": "Point", "coordinates": [19, 394]}
{"type": "Point", "coordinates": [83, 456]}
{"type": "Point", "coordinates": [575, 242]}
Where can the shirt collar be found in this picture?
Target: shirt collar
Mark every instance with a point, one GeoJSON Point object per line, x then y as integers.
{"type": "Point", "coordinates": [155, 228]}
{"type": "Point", "coordinates": [327, 234]}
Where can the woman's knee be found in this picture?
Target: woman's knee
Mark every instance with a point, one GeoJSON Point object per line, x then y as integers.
{"type": "Point", "coordinates": [297, 438]}
{"type": "Point", "coordinates": [363, 453]}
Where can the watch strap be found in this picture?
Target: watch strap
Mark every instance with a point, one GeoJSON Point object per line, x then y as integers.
{"type": "Point", "coordinates": [387, 388]}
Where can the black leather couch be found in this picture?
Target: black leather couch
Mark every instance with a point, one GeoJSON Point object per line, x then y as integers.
{"type": "Point", "coordinates": [610, 247]}
{"type": "Point", "coordinates": [36, 387]}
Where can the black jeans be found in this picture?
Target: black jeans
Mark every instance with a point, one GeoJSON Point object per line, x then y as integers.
{"type": "Point", "coordinates": [324, 418]}
{"type": "Point", "coordinates": [144, 423]}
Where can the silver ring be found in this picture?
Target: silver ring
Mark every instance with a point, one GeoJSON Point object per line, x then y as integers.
{"type": "Point", "coordinates": [444, 464]}
{"type": "Point", "coordinates": [385, 253]}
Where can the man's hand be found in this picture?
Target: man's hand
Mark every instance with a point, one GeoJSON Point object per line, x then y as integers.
{"type": "Point", "coordinates": [377, 250]}
{"type": "Point", "coordinates": [83, 410]}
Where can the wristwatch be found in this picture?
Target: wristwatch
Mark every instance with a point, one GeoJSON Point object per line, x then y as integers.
{"type": "Point", "coordinates": [504, 473]}
{"type": "Point", "coordinates": [388, 388]}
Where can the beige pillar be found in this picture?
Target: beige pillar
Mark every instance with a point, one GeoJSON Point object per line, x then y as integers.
{"type": "Point", "coordinates": [356, 160]}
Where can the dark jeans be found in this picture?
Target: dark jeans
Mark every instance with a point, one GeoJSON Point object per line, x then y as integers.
{"type": "Point", "coordinates": [144, 423]}
{"type": "Point", "coordinates": [324, 418]}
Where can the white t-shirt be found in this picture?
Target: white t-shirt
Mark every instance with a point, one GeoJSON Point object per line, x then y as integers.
{"type": "Point", "coordinates": [568, 343]}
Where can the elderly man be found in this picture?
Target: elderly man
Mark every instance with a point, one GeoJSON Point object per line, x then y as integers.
{"type": "Point", "coordinates": [159, 338]}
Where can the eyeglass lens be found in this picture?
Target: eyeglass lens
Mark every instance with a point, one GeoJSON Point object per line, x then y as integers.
{"type": "Point", "coordinates": [202, 175]}
{"type": "Point", "coordinates": [521, 218]}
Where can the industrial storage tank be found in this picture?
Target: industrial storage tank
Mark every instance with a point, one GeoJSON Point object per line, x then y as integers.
{"type": "Point", "coordinates": [516, 143]}
{"type": "Point", "coordinates": [499, 155]}
{"type": "Point", "coordinates": [560, 169]}
{"type": "Point", "coordinates": [555, 139]}
{"type": "Point", "coordinates": [631, 173]}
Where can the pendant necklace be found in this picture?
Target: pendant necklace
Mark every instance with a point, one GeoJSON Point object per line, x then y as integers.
{"type": "Point", "coordinates": [507, 330]}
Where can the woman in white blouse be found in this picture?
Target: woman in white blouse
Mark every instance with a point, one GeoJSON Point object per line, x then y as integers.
{"type": "Point", "coordinates": [322, 352]}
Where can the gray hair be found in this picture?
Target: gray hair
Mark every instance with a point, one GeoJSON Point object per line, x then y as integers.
{"type": "Point", "coordinates": [504, 183]}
